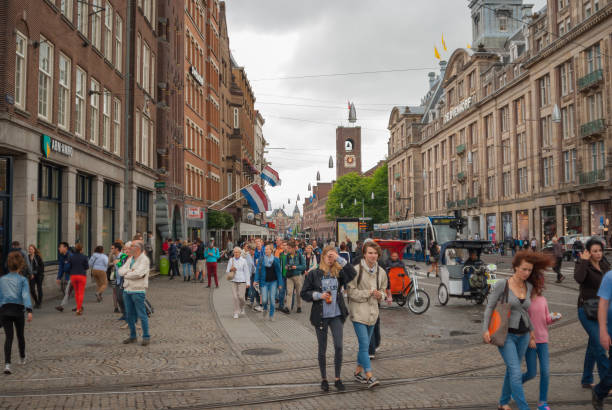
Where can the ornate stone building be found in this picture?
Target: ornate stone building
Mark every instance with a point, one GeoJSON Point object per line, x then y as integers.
{"type": "Point", "coordinates": [515, 132]}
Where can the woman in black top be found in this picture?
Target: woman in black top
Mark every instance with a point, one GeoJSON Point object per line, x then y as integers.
{"type": "Point", "coordinates": [589, 271]}
{"type": "Point", "coordinates": [38, 275]}
{"type": "Point", "coordinates": [434, 255]}
{"type": "Point", "coordinates": [322, 288]}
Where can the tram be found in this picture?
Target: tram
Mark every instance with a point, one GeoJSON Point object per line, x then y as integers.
{"type": "Point", "coordinates": [424, 229]}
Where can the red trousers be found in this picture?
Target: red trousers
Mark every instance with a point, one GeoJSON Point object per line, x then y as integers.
{"type": "Point", "coordinates": [78, 283]}
{"type": "Point", "coordinates": [211, 269]}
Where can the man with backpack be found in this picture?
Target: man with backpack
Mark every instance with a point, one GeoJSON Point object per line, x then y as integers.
{"type": "Point", "coordinates": [173, 254]}
{"type": "Point", "coordinates": [295, 267]}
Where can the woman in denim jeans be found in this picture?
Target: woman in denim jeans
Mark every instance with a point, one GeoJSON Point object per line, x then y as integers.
{"type": "Point", "coordinates": [528, 275]}
{"type": "Point", "coordinates": [268, 277]}
{"type": "Point", "coordinates": [588, 272]}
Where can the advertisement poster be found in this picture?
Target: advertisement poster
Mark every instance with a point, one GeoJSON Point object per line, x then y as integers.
{"type": "Point", "coordinates": [348, 229]}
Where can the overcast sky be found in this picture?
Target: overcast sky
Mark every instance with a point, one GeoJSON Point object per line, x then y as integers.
{"type": "Point", "coordinates": [273, 39]}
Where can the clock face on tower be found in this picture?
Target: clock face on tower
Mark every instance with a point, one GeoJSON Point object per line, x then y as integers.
{"type": "Point", "coordinates": [349, 161]}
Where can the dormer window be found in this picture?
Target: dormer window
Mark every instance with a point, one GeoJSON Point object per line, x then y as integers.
{"type": "Point", "coordinates": [503, 23]}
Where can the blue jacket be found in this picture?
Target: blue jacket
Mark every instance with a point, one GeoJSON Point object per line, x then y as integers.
{"type": "Point", "coordinates": [260, 274]}
{"type": "Point", "coordinates": [14, 288]}
{"type": "Point", "coordinates": [64, 266]}
{"type": "Point", "coordinates": [211, 254]}
{"type": "Point", "coordinates": [173, 252]}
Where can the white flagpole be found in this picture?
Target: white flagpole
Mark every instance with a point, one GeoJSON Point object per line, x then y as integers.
{"type": "Point", "coordinates": [230, 195]}
{"type": "Point", "coordinates": [231, 203]}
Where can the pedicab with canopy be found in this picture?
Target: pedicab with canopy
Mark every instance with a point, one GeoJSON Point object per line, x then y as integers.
{"type": "Point", "coordinates": [463, 274]}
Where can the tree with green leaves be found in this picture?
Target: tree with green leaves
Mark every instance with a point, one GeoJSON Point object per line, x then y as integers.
{"type": "Point", "coordinates": [219, 220]}
{"type": "Point", "coordinates": [344, 200]}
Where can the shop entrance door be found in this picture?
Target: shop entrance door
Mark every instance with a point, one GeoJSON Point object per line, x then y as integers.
{"type": "Point", "coordinates": [5, 208]}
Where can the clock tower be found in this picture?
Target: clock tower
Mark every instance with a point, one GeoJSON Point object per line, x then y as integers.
{"type": "Point", "coordinates": [348, 150]}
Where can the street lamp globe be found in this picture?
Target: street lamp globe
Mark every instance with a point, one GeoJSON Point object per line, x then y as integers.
{"type": "Point", "coordinates": [556, 114]}
{"type": "Point", "coordinates": [331, 162]}
{"type": "Point", "coordinates": [372, 195]}
{"type": "Point", "coordinates": [318, 176]}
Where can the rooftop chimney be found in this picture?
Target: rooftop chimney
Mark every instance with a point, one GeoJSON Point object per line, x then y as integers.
{"type": "Point", "coordinates": [432, 78]}
{"type": "Point", "coordinates": [443, 64]}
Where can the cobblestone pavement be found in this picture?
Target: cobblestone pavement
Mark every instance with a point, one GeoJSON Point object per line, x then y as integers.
{"type": "Point", "coordinates": [199, 357]}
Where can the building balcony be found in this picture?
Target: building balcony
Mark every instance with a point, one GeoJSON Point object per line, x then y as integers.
{"type": "Point", "coordinates": [593, 128]}
{"type": "Point", "coordinates": [592, 177]}
{"type": "Point", "coordinates": [590, 80]}
{"type": "Point", "coordinates": [398, 175]}
{"type": "Point", "coordinates": [461, 149]}
{"type": "Point", "coordinates": [398, 194]}
{"type": "Point", "coordinates": [461, 176]}
{"type": "Point", "coordinates": [473, 202]}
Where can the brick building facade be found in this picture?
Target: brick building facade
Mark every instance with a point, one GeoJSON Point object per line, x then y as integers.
{"type": "Point", "coordinates": [514, 133]}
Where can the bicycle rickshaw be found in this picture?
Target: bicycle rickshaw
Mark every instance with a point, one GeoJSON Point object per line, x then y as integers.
{"type": "Point", "coordinates": [463, 274]}
{"type": "Point", "coordinates": [403, 282]}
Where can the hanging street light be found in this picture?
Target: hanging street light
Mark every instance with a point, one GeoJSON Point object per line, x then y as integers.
{"type": "Point", "coordinates": [355, 201]}
{"type": "Point", "coordinates": [556, 114]}
{"type": "Point", "coordinates": [331, 162]}
{"type": "Point", "coordinates": [298, 198]}
{"type": "Point", "coordinates": [309, 187]}
{"type": "Point", "coordinates": [372, 195]}
{"type": "Point", "coordinates": [318, 176]}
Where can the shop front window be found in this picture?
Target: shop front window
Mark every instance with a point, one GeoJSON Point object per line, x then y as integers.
{"type": "Point", "coordinates": [522, 225]}
{"type": "Point", "coordinates": [601, 214]}
{"type": "Point", "coordinates": [507, 225]}
{"type": "Point", "coordinates": [48, 229]}
{"type": "Point", "coordinates": [82, 216]}
{"type": "Point", "coordinates": [491, 228]}
{"type": "Point", "coordinates": [142, 211]}
{"type": "Point", "coordinates": [108, 216]}
{"type": "Point", "coordinates": [572, 219]}
{"type": "Point", "coordinates": [549, 224]}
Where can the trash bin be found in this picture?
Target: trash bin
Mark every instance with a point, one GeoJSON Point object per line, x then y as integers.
{"type": "Point", "coordinates": [164, 265]}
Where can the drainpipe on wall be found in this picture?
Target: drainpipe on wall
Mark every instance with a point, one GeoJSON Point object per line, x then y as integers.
{"type": "Point", "coordinates": [127, 196]}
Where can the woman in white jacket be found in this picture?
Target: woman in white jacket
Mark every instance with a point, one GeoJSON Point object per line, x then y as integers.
{"type": "Point", "coordinates": [135, 274]}
{"type": "Point", "coordinates": [241, 280]}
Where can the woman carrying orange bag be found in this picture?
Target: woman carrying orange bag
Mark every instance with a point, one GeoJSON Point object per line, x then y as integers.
{"type": "Point", "coordinates": [528, 275]}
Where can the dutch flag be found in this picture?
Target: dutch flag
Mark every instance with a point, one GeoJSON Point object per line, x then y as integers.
{"type": "Point", "coordinates": [271, 176]}
{"type": "Point", "coordinates": [257, 198]}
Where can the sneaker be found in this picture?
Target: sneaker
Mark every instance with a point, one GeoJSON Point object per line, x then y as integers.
{"type": "Point", "coordinates": [361, 377]}
{"type": "Point", "coordinates": [235, 315]}
{"type": "Point", "coordinates": [23, 360]}
{"type": "Point", "coordinates": [372, 357]}
{"type": "Point", "coordinates": [242, 312]}
{"type": "Point", "coordinates": [129, 340]}
{"type": "Point", "coordinates": [595, 401]}
{"type": "Point", "coordinates": [299, 310]}
{"type": "Point", "coordinates": [372, 382]}
{"type": "Point", "coordinates": [285, 310]}
{"type": "Point", "coordinates": [184, 278]}
{"type": "Point", "coordinates": [339, 385]}
{"type": "Point", "coordinates": [561, 278]}
{"type": "Point", "coordinates": [587, 385]}
{"type": "Point", "coordinates": [98, 297]}
{"type": "Point", "coordinates": [74, 310]}
{"type": "Point", "coordinates": [145, 342]}
{"type": "Point", "coordinates": [59, 308]}
{"type": "Point", "coordinates": [7, 368]}
{"type": "Point", "coordinates": [124, 326]}
{"type": "Point", "coordinates": [324, 385]}
{"type": "Point", "coordinates": [258, 309]}
{"type": "Point", "coordinates": [544, 406]}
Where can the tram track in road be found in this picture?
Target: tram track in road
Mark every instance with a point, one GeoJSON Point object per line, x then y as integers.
{"type": "Point", "coordinates": [158, 387]}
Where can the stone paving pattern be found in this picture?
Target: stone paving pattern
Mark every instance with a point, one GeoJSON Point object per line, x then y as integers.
{"type": "Point", "coordinates": [194, 362]}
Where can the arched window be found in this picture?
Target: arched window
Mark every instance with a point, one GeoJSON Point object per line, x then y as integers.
{"type": "Point", "coordinates": [348, 145]}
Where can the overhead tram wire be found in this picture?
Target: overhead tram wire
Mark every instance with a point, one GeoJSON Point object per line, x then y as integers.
{"type": "Point", "coordinates": [317, 106]}
{"type": "Point", "coordinates": [321, 122]}
{"type": "Point", "coordinates": [298, 77]}
{"type": "Point", "coordinates": [326, 101]}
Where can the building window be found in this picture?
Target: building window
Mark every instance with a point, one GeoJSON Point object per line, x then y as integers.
{"type": "Point", "coordinates": [63, 106]}
{"type": "Point", "coordinates": [503, 23]}
{"type": "Point", "coordinates": [547, 168]}
{"type": "Point", "coordinates": [491, 194]}
{"type": "Point", "coordinates": [567, 117]}
{"type": "Point", "coordinates": [507, 184]}
{"type": "Point", "coordinates": [490, 157]}
{"type": "Point", "coordinates": [45, 79]}
{"type": "Point", "coordinates": [108, 32]}
{"type": "Point", "coordinates": [522, 146]}
{"type": "Point", "coordinates": [66, 8]}
{"type": "Point", "coordinates": [561, 28]}
{"type": "Point", "coordinates": [566, 73]}
{"type": "Point", "coordinates": [489, 126]}
{"type": "Point", "coordinates": [82, 17]}
{"type": "Point", "coordinates": [519, 110]}
{"type": "Point", "coordinates": [106, 119]}
{"type": "Point", "coordinates": [522, 179]}
{"type": "Point", "coordinates": [152, 82]}
{"type": "Point", "coordinates": [587, 10]}
{"type": "Point", "coordinates": [94, 103]}
{"type": "Point", "coordinates": [146, 56]}
{"type": "Point", "coordinates": [48, 232]}
{"type": "Point", "coordinates": [598, 156]}
{"type": "Point", "coordinates": [506, 151]}
{"type": "Point", "coordinates": [142, 210]}
{"type": "Point", "coordinates": [569, 165]}
{"type": "Point", "coordinates": [82, 216]}
{"type": "Point", "coordinates": [236, 118]}
{"type": "Point", "coordinates": [594, 107]}
{"type": "Point", "coordinates": [116, 126]}
{"type": "Point", "coordinates": [544, 90]}
{"type": "Point", "coordinates": [108, 215]}
{"type": "Point", "coordinates": [138, 61]}
{"type": "Point", "coordinates": [96, 25]}
{"type": "Point", "coordinates": [593, 56]}
{"type": "Point", "coordinates": [474, 134]}
{"type": "Point", "coordinates": [546, 130]}
{"type": "Point", "coordinates": [21, 68]}
{"type": "Point", "coordinates": [79, 105]}
{"type": "Point", "coordinates": [119, 43]}
{"type": "Point", "coordinates": [504, 116]}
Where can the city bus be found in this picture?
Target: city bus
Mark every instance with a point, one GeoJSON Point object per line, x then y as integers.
{"type": "Point", "coordinates": [425, 229]}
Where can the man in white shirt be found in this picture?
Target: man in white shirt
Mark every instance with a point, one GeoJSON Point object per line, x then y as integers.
{"type": "Point", "coordinates": [135, 273]}
{"type": "Point", "coordinates": [241, 280]}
